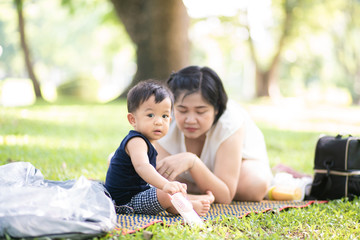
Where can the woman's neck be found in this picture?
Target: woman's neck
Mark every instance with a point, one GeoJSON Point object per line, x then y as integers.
{"type": "Point", "coordinates": [195, 145]}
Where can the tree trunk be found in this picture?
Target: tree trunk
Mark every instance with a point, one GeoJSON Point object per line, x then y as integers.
{"type": "Point", "coordinates": [267, 79]}
{"type": "Point", "coordinates": [24, 46]}
{"type": "Point", "coordinates": [159, 29]}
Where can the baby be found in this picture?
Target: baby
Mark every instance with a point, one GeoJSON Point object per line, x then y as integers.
{"type": "Point", "coordinates": [132, 179]}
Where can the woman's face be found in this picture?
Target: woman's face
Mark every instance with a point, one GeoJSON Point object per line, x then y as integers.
{"type": "Point", "coordinates": [194, 115]}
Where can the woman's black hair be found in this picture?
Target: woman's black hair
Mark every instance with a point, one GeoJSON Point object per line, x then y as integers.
{"type": "Point", "coordinates": [203, 80]}
{"type": "Point", "coordinates": [144, 90]}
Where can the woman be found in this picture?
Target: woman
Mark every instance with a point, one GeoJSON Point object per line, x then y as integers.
{"type": "Point", "coordinates": [212, 145]}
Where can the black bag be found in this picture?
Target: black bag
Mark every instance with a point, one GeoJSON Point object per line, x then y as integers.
{"type": "Point", "coordinates": [337, 168]}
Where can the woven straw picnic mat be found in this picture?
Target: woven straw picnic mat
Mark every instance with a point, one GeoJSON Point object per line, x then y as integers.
{"type": "Point", "coordinates": [130, 223]}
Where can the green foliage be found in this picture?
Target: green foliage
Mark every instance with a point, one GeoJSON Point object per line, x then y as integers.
{"type": "Point", "coordinates": [69, 38]}
{"type": "Point", "coordinates": [66, 39]}
{"type": "Point", "coordinates": [319, 50]}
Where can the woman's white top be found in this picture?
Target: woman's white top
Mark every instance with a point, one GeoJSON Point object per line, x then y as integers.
{"type": "Point", "coordinates": [232, 119]}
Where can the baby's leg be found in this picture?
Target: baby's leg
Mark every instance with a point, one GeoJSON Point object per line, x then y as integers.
{"type": "Point", "coordinates": [165, 201]}
{"type": "Point", "coordinates": [200, 203]}
{"type": "Point", "coordinates": [146, 202]}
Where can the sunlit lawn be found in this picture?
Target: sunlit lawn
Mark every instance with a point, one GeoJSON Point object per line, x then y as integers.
{"type": "Point", "coordinates": [63, 141]}
{"type": "Point", "coordinates": [66, 141]}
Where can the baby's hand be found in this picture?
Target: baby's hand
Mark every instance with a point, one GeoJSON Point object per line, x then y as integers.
{"type": "Point", "coordinates": [174, 187]}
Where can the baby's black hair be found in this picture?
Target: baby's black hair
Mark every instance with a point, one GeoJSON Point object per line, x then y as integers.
{"type": "Point", "coordinates": [144, 90]}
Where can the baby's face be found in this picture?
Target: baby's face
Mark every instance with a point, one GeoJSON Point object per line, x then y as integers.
{"type": "Point", "coordinates": [153, 119]}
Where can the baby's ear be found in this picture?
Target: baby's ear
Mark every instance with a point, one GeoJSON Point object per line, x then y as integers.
{"type": "Point", "coordinates": [131, 119]}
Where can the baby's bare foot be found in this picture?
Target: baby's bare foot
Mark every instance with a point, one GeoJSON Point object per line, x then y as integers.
{"type": "Point", "coordinates": [201, 207]}
{"type": "Point", "coordinates": [208, 196]}
{"type": "Point", "coordinates": [211, 197]}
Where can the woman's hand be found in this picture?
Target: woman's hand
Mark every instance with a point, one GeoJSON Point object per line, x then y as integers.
{"type": "Point", "coordinates": [171, 166]}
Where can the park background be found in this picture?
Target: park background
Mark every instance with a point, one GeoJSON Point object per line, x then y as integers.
{"type": "Point", "coordinates": [294, 65]}
{"type": "Point", "coordinates": [96, 49]}
{"type": "Point", "coordinates": [65, 67]}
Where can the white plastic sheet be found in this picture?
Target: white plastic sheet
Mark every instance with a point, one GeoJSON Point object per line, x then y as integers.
{"type": "Point", "coordinates": [31, 206]}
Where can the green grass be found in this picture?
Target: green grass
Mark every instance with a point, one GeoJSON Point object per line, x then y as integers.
{"type": "Point", "coordinates": [65, 141]}
{"type": "Point", "coordinates": [336, 220]}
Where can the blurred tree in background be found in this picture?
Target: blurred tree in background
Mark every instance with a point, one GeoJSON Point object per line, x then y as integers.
{"type": "Point", "coordinates": [159, 29]}
{"type": "Point", "coordinates": [346, 37]}
{"type": "Point", "coordinates": [25, 48]}
{"type": "Point", "coordinates": [260, 48]}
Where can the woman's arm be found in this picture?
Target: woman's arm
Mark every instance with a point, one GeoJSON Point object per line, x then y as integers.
{"type": "Point", "coordinates": [170, 166]}
{"type": "Point", "coordinates": [223, 181]}
{"type": "Point", "coordinates": [137, 150]}
{"type": "Point", "coordinates": [228, 162]}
